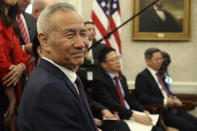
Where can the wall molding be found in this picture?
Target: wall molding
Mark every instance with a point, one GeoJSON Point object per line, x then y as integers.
{"type": "Point", "coordinates": [177, 87]}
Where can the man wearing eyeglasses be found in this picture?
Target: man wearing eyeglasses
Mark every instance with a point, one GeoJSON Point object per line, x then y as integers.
{"type": "Point", "coordinates": [150, 88]}
{"type": "Point", "coordinates": [110, 88]}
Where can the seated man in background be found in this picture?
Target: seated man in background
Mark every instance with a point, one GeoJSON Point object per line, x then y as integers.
{"type": "Point", "coordinates": [110, 88]}
{"type": "Point", "coordinates": [151, 89]}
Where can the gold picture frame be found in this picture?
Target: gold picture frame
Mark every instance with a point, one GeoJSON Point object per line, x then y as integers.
{"type": "Point", "coordinates": [147, 26]}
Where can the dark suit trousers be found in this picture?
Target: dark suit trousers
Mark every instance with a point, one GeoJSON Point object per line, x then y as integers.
{"type": "Point", "coordinates": [182, 120]}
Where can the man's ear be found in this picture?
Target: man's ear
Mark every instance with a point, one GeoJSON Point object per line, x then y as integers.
{"type": "Point", "coordinates": [43, 39]}
{"type": "Point", "coordinates": [103, 64]}
{"type": "Point", "coordinates": [35, 12]}
{"type": "Point", "coordinates": [147, 61]}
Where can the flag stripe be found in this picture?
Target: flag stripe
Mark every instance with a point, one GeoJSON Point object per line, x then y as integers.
{"type": "Point", "coordinates": [116, 34]}
{"type": "Point", "coordinates": [100, 27]}
{"type": "Point", "coordinates": [107, 19]}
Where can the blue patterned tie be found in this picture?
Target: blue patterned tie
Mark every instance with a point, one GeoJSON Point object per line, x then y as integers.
{"type": "Point", "coordinates": [83, 96]}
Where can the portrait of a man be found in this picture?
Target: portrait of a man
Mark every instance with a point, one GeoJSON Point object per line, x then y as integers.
{"type": "Point", "coordinates": [165, 16]}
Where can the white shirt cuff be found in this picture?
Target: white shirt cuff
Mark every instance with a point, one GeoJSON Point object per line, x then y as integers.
{"type": "Point", "coordinates": [165, 100]}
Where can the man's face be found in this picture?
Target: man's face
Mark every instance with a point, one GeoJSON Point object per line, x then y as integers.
{"type": "Point", "coordinates": [91, 31]}
{"type": "Point", "coordinates": [22, 4]}
{"type": "Point", "coordinates": [156, 61]}
{"type": "Point", "coordinates": [159, 3]}
{"type": "Point", "coordinates": [112, 62]}
{"type": "Point", "coordinates": [66, 45]}
{"type": "Point", "coordinates": [40, 6]}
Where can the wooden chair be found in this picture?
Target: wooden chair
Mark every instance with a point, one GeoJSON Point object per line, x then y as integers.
{"type": "Point", "coordinates": [156, 109]}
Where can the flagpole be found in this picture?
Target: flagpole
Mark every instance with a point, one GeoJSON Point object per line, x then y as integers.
{"type": "Point", "coordinates": [110, 33]}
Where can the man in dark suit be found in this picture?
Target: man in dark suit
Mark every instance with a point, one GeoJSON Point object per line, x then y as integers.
{"type": "Point", "coordinates": [157, 19]}
{"type": "Point", "coordinates": [151, 89]}
{"type": "Point", "coordinates": [26, 33]}
{"type": "Point", "coordinates": [53, 99]}
{"type": "Point", "coordinates": [106, 91]}
{"type": "Point", "coordinates": [30, 25]}
{"type": "Point", "coordinates": [94, 53]}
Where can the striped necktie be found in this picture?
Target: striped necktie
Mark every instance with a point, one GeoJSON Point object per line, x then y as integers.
{"type": "Point", "coordinates": [22, 29]}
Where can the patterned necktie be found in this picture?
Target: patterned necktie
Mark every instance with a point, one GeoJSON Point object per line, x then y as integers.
{"type": "Point", "coordinates": [162, 84]}
{"type": "Point", "coordinates": [22, 29]}
{"type": "Point", "coordinates": [119, 91]}
{"type": "Point", "coordinates": [31, 62]}
{"type": "Point", "coordinates": [83, 96]}
{"type": "Point", "coordinates": [173, 110]}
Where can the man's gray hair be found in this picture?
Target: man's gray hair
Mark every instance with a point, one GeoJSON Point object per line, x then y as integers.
{"type": "Point", "coordinates": [149, 52]}
{"type": "Point", "coordinates": [44, 24]}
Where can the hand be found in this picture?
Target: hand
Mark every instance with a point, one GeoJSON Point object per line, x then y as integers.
{"type": "Point", "coordinates": [14, 75]}
{"type": "Point", "coordinates": [99, 129]}
{"type": "Point", "coordinates": [28, 48]}
{"type": "Point", "coordinates": [177, 101]}
{"type": "Point", "coordinates": [98, 122]}
{"type": "Point", "coordinates": [108, 115]}
{"type": "Point", "coordinates": [147, 112]}
{"type": "Point", "coordinates": [144, 119]}
{"type": "Point", "coordinates": [170, 102]}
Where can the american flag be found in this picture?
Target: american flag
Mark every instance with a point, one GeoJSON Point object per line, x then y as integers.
{"type": "Point", "coordinates": [106, 16]}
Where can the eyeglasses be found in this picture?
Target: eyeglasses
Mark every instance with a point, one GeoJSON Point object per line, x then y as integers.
{"type": "Point", "coordinates": [158, 59]}
{"type": "Point", "coordinates": [113, 59]}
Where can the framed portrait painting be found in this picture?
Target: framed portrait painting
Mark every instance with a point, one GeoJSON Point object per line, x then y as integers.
{"type": "Point", "coordinates": [166, 20]}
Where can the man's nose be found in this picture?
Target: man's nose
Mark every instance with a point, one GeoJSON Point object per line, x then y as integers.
{"type": "Point", "coordinates": [79, 42]}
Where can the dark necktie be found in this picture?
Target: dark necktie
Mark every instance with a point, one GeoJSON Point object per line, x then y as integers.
{"type": "Point", "coordinates": [116, 78]}
{"type": "Point", "coordinates": [162, 84]}
{"type": "Point", "coordinates": [84, 99]}
{"type": "Point", "coordinates": [173, 110]}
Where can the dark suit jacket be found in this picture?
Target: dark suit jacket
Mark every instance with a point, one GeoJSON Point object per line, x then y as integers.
{"type": "Point", "coordinates": [146, 89]}
{"type": "Point", "coordinates": [31, 25]}
{"type": "Point", "coordinates": [50, 102]}
{"type": "Point", "coordinates": [150, 22]}
{"type": "Point", "coordinates": [105, 92]}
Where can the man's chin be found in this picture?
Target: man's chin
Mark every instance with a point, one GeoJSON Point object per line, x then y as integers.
{"type": "Point", "coordinates": [79, 61]}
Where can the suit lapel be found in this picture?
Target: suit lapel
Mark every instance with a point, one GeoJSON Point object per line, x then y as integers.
{"type": "Point", "coordinates": [152, 80]}
{"type": "Point", "coordinates": [124, 85]}
{"type": "Point", "coordinates": [59, 74]}
{"type": "Point", "coordinates": [111, 85]}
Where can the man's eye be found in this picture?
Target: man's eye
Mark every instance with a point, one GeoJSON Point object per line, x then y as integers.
{"type": "Point", "coordinates": [83, 34]}
{"type": "Point", "coordinates": [70, 35]}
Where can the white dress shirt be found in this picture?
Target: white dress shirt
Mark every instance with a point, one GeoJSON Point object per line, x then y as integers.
{"type": "Point", "coordinates": [121, 88]}
{"type": "Point", "coordinates": [153, 72]}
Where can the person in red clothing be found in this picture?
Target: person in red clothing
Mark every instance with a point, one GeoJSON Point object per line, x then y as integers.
{"type": "Point", "coordinates": [13, 61]}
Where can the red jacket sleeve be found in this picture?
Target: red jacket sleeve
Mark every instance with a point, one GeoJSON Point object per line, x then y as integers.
{"type": "Point", "coordinates": [10, 50]}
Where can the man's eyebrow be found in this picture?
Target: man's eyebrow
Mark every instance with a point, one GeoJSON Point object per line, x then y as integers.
{"type": "Point", "coordinates": [69, 30]}
{"type": "Point", "coordinates": [84, 30]}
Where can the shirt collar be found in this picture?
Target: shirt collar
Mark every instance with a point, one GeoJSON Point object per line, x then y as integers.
{"type": "Point", "coordinates": [157, 8]}
{"type": "Point", "coordinates": [72, 76]}
{"type": "Point", "coordinates": [152, 70]}
{"type": "Point", "coordinates": [112, 75]}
